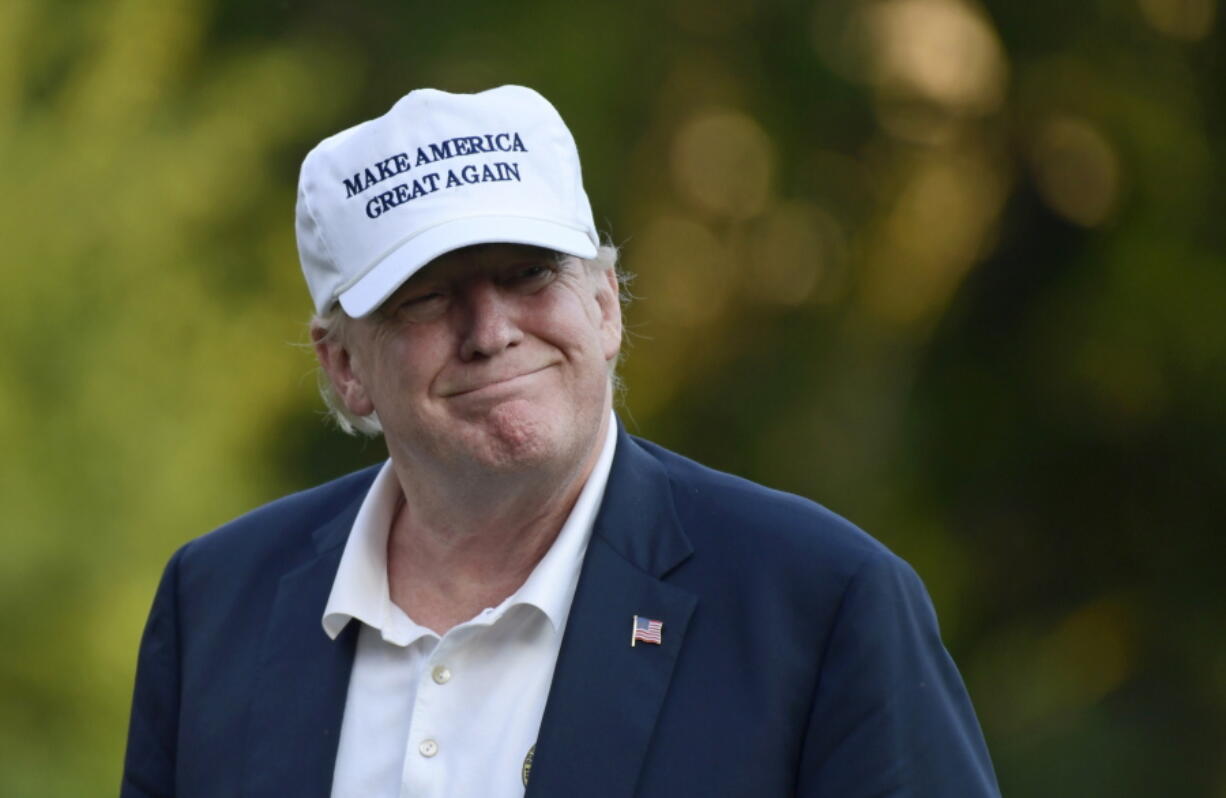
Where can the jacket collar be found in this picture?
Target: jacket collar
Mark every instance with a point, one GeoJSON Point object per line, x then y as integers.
{"type": "Point", "coordinates": [606, 695]}
{"type": "Point", "coordinates": [300, 688]}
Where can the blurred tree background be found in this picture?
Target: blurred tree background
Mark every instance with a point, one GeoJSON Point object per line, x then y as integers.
{"type": "Point", "coordinates": [955, 269]}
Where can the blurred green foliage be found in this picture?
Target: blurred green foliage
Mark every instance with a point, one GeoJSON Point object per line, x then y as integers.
{"type": "Point", "coordinates": [954, 269]}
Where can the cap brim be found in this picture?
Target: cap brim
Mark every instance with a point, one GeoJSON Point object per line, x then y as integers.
{"type": "Point", "coordinates": [403, 262]}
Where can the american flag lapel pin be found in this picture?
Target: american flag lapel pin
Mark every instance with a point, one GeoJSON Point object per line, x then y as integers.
{"type": "Point", "coordinates": [647, 630]}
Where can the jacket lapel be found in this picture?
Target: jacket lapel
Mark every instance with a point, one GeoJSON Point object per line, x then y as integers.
{"type": "Point", "coordinates": [299, 693]}
{"type": "Point", "coordinates": [606, 695]}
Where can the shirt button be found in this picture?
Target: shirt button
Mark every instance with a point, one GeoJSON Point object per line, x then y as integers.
{"type": "Point", "coordinates": [441, 675]}
{"type": "Point", "coordinates": [428, 748]}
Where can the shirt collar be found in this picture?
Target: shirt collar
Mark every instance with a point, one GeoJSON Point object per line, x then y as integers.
{"type": "Point", "coordinates": [551, 585]}
{"type": "Point", "coordinates": [360, 589]}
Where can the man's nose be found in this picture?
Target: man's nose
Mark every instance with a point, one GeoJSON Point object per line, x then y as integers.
{"type": "Point", "coordinates": [489, 321]}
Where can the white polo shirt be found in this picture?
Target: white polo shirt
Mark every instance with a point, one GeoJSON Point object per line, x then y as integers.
{"type": "Point", "coordinates": [454, 716]}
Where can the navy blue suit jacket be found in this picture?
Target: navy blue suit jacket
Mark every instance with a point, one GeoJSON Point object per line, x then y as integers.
{"type": "Point", "coordinates": [799, 656]}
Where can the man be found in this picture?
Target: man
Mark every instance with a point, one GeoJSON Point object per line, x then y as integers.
{"type": "Point", "coordinates": [523, 599]}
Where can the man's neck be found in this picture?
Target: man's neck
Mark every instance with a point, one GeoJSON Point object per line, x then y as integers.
{"type": "Point", "coordinates": [452, 553]}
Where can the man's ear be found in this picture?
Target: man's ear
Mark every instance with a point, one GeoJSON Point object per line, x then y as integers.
{"type": "Point", "coordinates": [608, 298]}
{"type": "Point", "coordinates": [336, 360]}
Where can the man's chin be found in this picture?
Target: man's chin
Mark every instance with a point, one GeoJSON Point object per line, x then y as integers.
{"type": "Point", "coordinates": [516, 434]}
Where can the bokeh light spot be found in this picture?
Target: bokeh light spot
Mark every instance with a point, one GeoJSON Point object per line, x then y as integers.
{"type": "Point", "coordinates": [941, 51]}
{"type": "Point", "coordinates": [722, 163]}
{"type": "Point", "coordinates": [793, 248]}
{"type": "Point", "coordinates": [1191, 20]}
{"type": "Point", "coordinates": [685, 272]}
{"type": "Point", "coordinates": [941, 219]}
{"type": "Point", "coordinates": [1076, 170]}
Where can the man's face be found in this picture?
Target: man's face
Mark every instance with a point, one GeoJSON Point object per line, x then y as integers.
{"type": "Point", "coordinates": [494, 356]}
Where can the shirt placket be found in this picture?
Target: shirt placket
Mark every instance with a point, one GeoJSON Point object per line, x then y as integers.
{"type": "Point", "coordinates": [433, 745]}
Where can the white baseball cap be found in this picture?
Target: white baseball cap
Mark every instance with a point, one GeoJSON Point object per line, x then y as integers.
{"type": "Point", "coordinates": [437, 172]}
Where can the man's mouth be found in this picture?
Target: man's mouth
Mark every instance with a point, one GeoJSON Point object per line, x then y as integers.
{"type": "Point", "coordinates": [475, 386]}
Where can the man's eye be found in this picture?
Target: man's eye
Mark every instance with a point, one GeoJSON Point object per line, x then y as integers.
{"type": "Point", "coordinates": [531, 275]}
{"type": "Point", "coordinates": [422, 299]}
{"type": "Point", "coordinates": [418, 307]}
